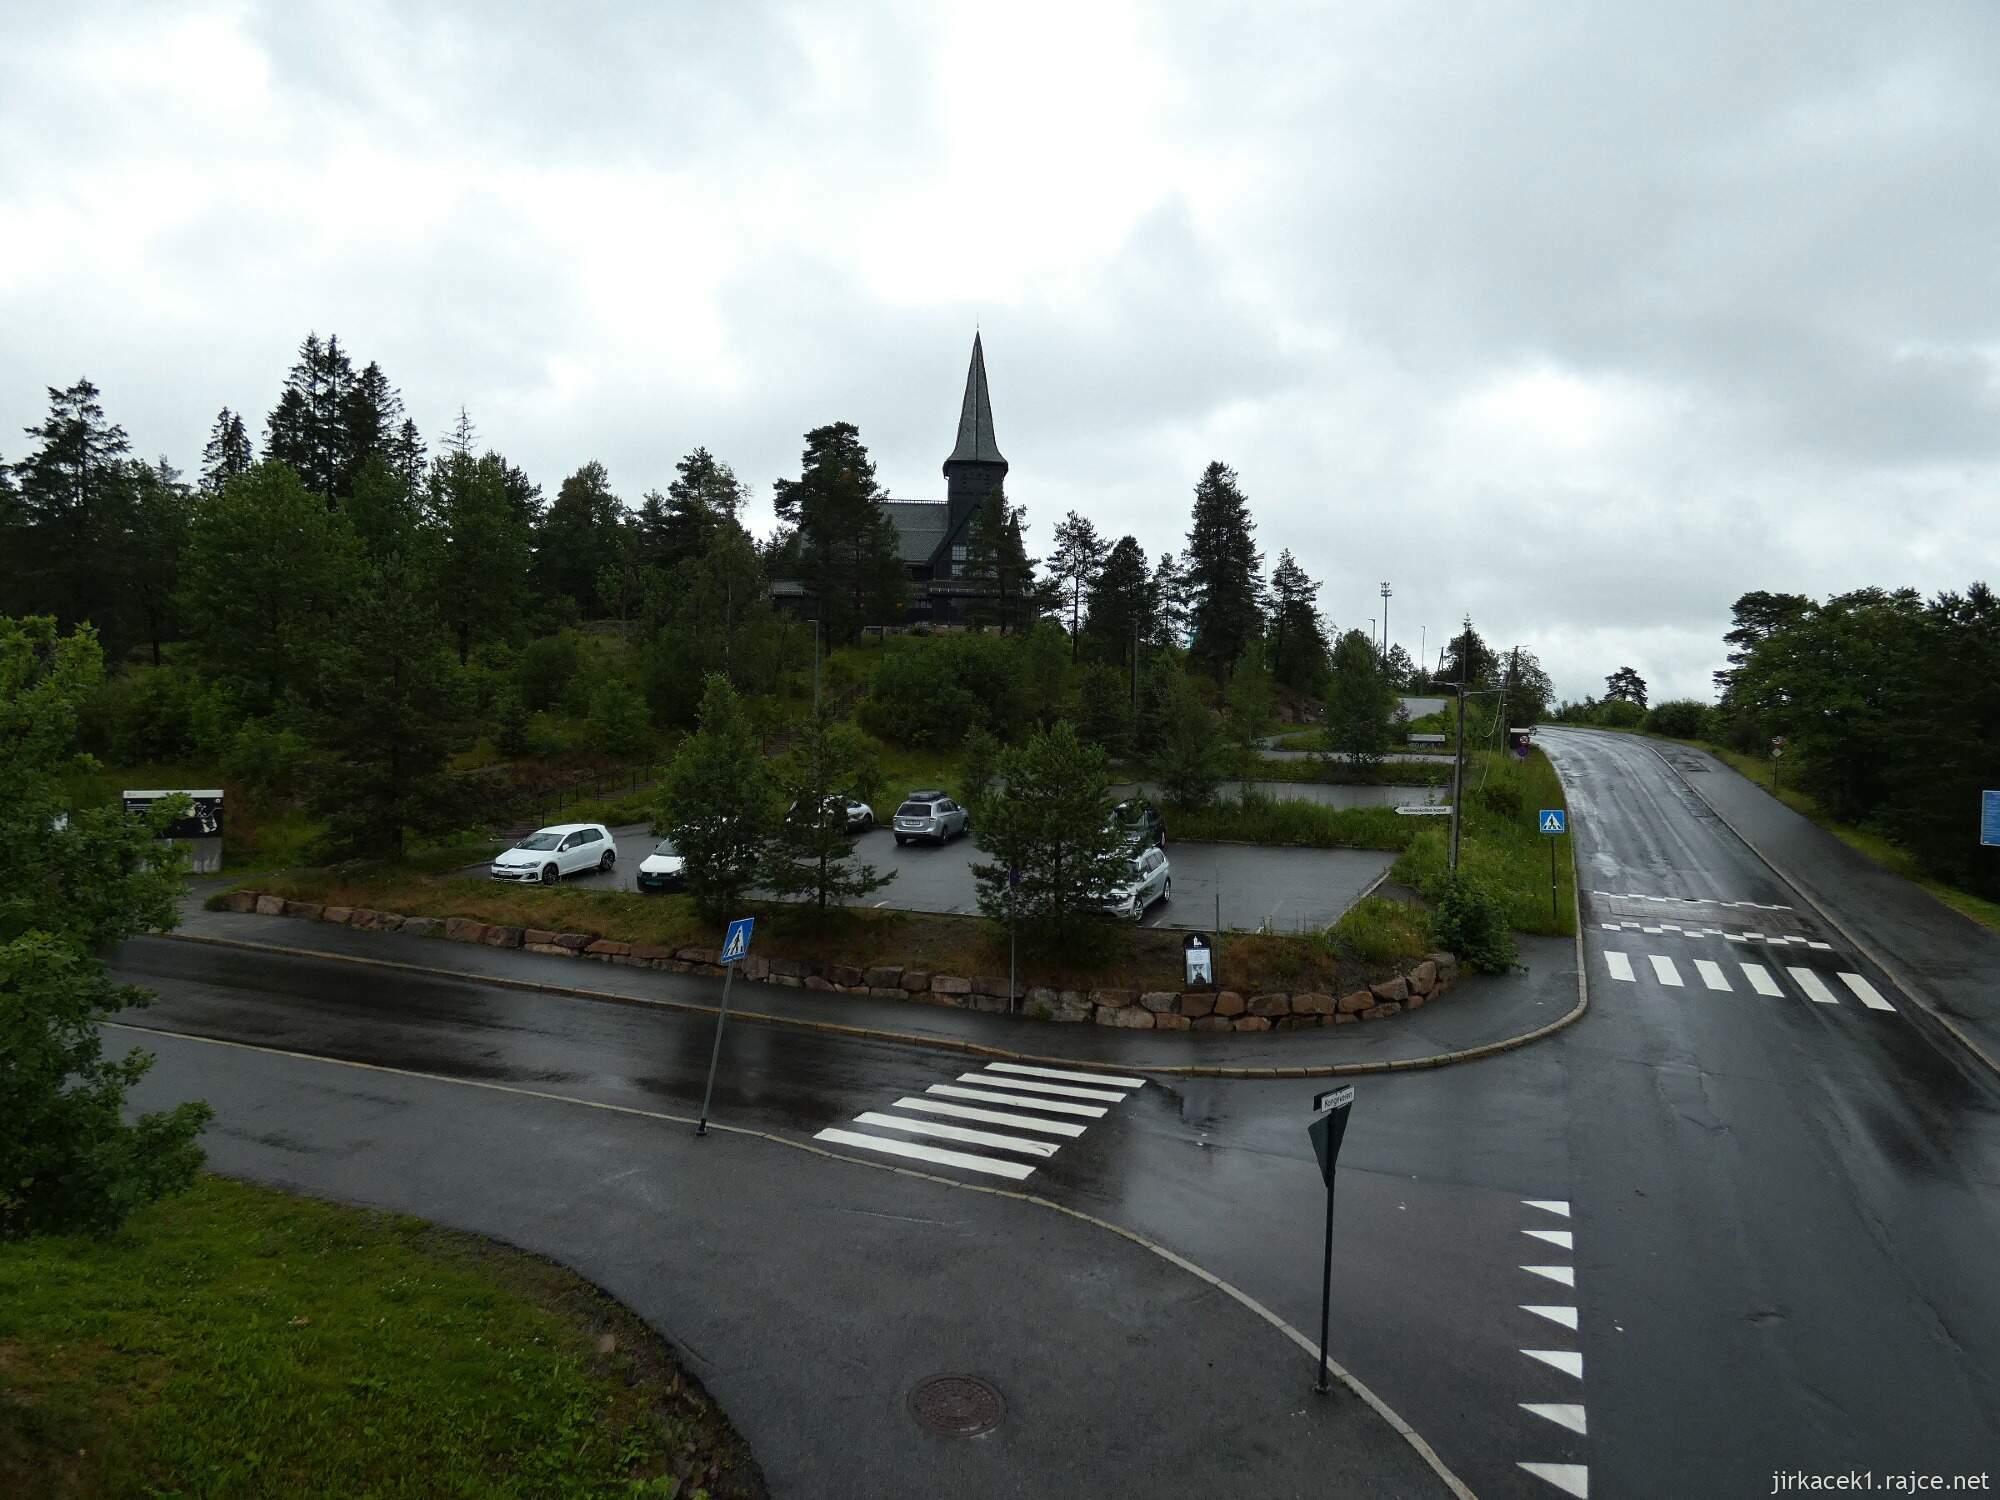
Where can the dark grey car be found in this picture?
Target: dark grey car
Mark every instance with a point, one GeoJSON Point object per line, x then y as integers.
{"type": "Point", "coordinates": [1140, 822]}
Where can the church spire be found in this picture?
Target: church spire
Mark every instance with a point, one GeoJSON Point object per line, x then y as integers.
{"type": "Point", "coordinates": [976, 443]}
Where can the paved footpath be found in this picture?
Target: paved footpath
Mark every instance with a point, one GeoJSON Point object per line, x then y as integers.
{"type": "Point", "coordinates": [1479, 1011]}
{"type": "Point", "coordinates": [1943, 959]}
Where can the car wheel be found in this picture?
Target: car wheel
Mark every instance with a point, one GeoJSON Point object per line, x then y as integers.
{"type": "Point", "coordinates": [901, 841]}
{"type": "Point", "coordinates": [1167, 890]}
{"type": "Point", "coordinates": [550, 874]}
{"type": "Point", "coordinates": [610, 859]}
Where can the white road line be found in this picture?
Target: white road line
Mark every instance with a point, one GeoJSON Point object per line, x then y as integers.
{"type": "Point", "coordinates": [991, 1116]}
{"type": "Point", "coordinates": [1823, 947]}
{"type": "Point", "coordinates": [1865, 992]}
{"type": "Point", "coordinates": [1571, 1479]}
{"type": "Point", "coordinates": [958, 1133]}
{"type": "Point", "coordinates": [1103, 1078]}
{"type": "Point", "coordinates": [1619, 965]}
{"type": "Point", "coordinates": [1561, 1237]}
{"type": "Point", "coordinates": [1664, 970]}
{"type": "Point", "coordinates": [1562, 1413]}
{"type": "Point", "coordinates": [1567, 1360]}
{"type": "Point", "coordinates": [1017, 1170]}
{"type": "Point", "coordinates": [1565, 1274]}
{"type": "Point", "coordinates": [1058, 1090]}
{"type": "Point", "coordinates": [1609, 926]}
{"type": "Point", "coordinates": [1563, 1315]}
{"type": "Point", "coordinates": [1814, 986]}
{"type": "Point", "coordinates": [1654, 930]}
{"type": "Point", "coordinates": [1553, 1205]}
{"type": "Point", "coordinates": [1711, 974]}
{"type": "Point", "coordinates": [1753, 937]}
{"type": "Point", "coordinates": [987, 1096]}
{"type": "Point", "coordinates": [1760, 979]}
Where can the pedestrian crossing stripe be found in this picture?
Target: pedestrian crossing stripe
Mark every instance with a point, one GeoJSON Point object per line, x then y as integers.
{"type": "Point", "coordinates": [1811, 983]}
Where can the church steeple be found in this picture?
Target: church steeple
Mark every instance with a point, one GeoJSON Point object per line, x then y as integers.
{"type": "Point", "coordinates": [975, 469]}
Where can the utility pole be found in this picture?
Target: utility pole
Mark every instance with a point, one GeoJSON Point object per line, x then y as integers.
{"type": "Point", "coordinates": [1385, 618]}
{"type": "Point", "coordinates": [815, 680]}
{"type": "Point", "coordinates": [1458, 757]}
{"type": "Point", "coordinates": [1424, 651]}
{"type": "Point", "coordinates": [1135, 674]}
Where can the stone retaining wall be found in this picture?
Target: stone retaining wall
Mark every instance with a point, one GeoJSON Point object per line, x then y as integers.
{"type": "Point", "coordinates": [1155, 1010]}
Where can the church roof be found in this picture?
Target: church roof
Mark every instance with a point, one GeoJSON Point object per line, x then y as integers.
{"type": "Point", "coordinates": [920, 527]}
{"type": "Point", "coordinates": [976, 443]}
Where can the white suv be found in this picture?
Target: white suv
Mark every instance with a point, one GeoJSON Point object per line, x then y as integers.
{"type": "Point", "coordinates": [548, 854]}
{"type": "Point", "coordinates": [1150, 878]}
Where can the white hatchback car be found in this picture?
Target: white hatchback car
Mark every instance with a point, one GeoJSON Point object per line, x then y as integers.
{"type": "Point", "coordinates": [548, 854]}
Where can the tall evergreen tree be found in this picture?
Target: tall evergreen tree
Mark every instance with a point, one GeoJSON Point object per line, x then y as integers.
{"type": "Point", "coordinates": [1224, 571]}
{"type": "Point", "coordinates": [1298, 639]}
{"type": "Point", "coordinates": [161, 511]}
{"type": "Point", "coordinates": [811, 851]}
{"type": "Point", "coordinates": [1079, 556]}
{"type": "Point", "coordinates": [1122, 606]}
{"type": "Point", "coordinates": [307, 429]}
{"type": "Point", "coordinates": [715, 802]}
{"type": "Point", "coordinates": [75, 510]}
{"type": "Point", "coordinates": [997, 559]}
{"type": "Point", "coordinates": [486, 547]}
{"type": "Point", "coordinates": [1468, 659]}
{"type": "Point", "coordinates": [1171, 603]}
{"type": "Point", "coordinates": [1360, 701]}
{"type": "Point", "coordinates": [845, 545]}
{"type": "Point", "coordinates": [579, 536]}
{"type": "Point", "coordinates": [228, 452]}
{"type": "Point", "coordinates": [371, 426]}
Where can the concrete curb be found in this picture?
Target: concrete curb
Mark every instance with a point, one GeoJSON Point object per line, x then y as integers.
{"type": "Point", "coordinates": [1375, 1403]}
{"type": "Point", "coordinates": [915, 1039]}
{"type": "Point", "coordinates": [1927, 1005]}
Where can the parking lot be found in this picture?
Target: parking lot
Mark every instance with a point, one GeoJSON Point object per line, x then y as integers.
{"type": "Point", "coordinates": [1285, 889]}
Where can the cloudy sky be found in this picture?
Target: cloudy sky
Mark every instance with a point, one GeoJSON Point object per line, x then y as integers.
{"type": "Point", "coordinates": [1580, 318]}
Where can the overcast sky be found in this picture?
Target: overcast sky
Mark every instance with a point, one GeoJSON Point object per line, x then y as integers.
{"type": "Point", "coordinates": [1582, 318]}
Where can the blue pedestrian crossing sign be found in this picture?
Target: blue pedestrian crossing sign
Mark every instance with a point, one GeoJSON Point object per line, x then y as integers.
{"type": "Point", "coordinates": [1554, 820]}
{"type": "Point", "coordinates": [737, 943]}
{"type": "Point", "coordinates": [1989, 819]}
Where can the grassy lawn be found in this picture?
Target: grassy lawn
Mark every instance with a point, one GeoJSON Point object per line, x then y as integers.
{"type": "Point", "coordinates": [1499, 843]}
{"type": "Point", "coordinates": [1892, 857]}
{"type": "Point", "coordinates": [238, 1341]}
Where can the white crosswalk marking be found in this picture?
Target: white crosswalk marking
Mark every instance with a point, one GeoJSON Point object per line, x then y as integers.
{"type": "Point", "coordinates": [1711, 974]}
{"type": "Point", "coordinates": [1104, 1079]}
{"type": "Point", "coordinates": [1619, 965]}
{"type": "Point", "coordinates": [1865, 992]}
{"type": "Point", "coordinates": [1053, 1106]}
{"type": "Point", "coordinates": [991, 1117]}
{"type": "Point", "coordinates": [945, 1132]}
{"type": "Point", "coordinates": [1814, 986]}
{"type": "Point", "coordinates": [993, 1167]}
{"type": "Point", "coordinates": [1565, 1274]}
{"type": "Point", "coordinates": [1571, 1479]}
{"type": "Point", "coordinates": [1760, 979]}
{"type": "Point", "coordinates": [1664, 970]}
{"type": "Point", "coordinates": [1027, 1086]}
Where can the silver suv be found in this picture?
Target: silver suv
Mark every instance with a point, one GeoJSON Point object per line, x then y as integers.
{"type": "Point", "coordinates": [929, 815]}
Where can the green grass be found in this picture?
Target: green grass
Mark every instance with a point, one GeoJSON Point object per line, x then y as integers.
{"type": "Point", "coordinates": [1499, 843]}
{"type": "Point", "coordinates": [1267, 820]}
{"type": "Point", "coordinates": [237, 1341]}
{"type": "Point", "coordinates": [1434, 771]}
{"type": "Point", "coordinates": [1377, 930]}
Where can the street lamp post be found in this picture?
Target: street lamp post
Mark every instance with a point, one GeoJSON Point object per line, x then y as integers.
{"type": "Point", "coordinates": [1385, 617]}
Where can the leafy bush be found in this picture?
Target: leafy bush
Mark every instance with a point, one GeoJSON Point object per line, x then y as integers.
{"type": "Point", "coordinates": [545, 670]}
{"type": "Point", "coordinates": [1259, 819]}
{"type": "Point", "coordinates": [1470, 921]}
{"type": "Point", "coordinates": [1680, 718]}
{"type": "Point", "coordinates": [1616, 713]}
{"type": "Point", "coordinates": [265, 759]}
{"type": "Point", "coordinates": [155, 714]}
{"type": "Point", "coordinates": [618, 720]}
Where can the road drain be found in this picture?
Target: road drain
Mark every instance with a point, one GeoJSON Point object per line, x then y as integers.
{"type": "Point", "coordinates": [957, 1405]}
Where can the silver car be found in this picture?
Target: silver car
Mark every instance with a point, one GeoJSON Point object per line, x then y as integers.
{"type": "Point", "coordinates": [1149, 878]}
{"type": "Point", "coordinates": [932, 816]}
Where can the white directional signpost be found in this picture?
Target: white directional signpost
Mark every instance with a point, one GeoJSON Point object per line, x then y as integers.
{"type": "Point", "coordinates": [735, 948]}
{"type": "Point", "coordinates": [1553, 821]}
{"type": "Point", "coordinates": [1327, 1128]}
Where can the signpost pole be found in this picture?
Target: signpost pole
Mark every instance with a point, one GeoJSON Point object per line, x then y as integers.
{"type": "Point", "coordinates": [1325, 1287]}
{"type": "Point", "coordinates": [1326, 1131]}
{"type": "Point", "coordinates": [1552, 880]}
{"type": "Point", "coordinates": [735, 947]}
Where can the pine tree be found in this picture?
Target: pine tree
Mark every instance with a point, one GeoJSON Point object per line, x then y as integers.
{"type": "Point", "coordinates": [1468, 659]}
{"type": "Point", "coordinates": [579, 536]}
{"type": "Point", "coordinates": [371, 426]}
{"type": "Point", "coordinates": [1171, 605]}
{"type": "Point", "coordinates": [161, 512]}
{"type": "Point", "coordinates": [845, 544]}
{"type": "Point", "coordinates": [997, 559]}
{"type": "Point", "coordinates": [75, 510]}
{"type": "Point", "coordinates": [715, 803]}
{"type": "Point", "coordinates": [1298, 640]}
{"type": "Point", "coordinates": [1360, 702]}
{"type": "Point", "coordinates": [810, 853]}
{"type": "Point", "coordinates": [227, 453]}
{"type": "Point", "coordinates": [1079, 556]}
{"type": "Point", "coordinates": [307, 429]}
{"type": "Point", "coordinates": [1122, 605]}
{"type": "Point", "coordinates": [486, 546]}
{"type": "Point", "coordinates": [1224, 572]}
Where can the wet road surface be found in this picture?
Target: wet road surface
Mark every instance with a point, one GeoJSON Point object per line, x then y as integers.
{"type": "Point", "coordinates": [1708, 1233]}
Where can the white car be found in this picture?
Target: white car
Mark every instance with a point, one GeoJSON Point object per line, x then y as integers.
{"type": "Point", "coordinates": [1150, 878]}
{"type": "Point", "coordinates": [548, 854]}
{"type": "Point", "coordinates": [665, 869]}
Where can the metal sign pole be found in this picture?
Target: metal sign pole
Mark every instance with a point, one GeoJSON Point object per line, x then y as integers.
{"type": "Point", "coordinates": [1325, 1287]}
{"type": "Point", "coordinates": [1552, 879]}
{"type": "Point", "coordinates": [1327, 1130]}
{"type": "Point", "coordinates": [714, 1052]}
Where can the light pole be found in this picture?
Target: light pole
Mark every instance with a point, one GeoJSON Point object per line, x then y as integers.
{"type": "Point", "coordinates": [1385, 617]}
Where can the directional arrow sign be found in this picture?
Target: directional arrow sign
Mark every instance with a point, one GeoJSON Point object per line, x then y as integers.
{"type": "Point", "coordinates": [1425, 810]}
{"type": "Point", "coordinates": [1554, 820]}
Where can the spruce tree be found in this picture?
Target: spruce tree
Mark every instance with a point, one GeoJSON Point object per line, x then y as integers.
{"type": "Point", "coordinates": [997, 559]}
{"type": "Point", "coordinates": [161, 511]}
{"type": "Point", "coordinates": [75, 512]}
{"type": "Point", "coordinates": [228, 452]}
{"type": "Point", "coordinates": [811, 852]}
{"type": "Point", "coordinates": [1079, 557]}
{"type": "Point", "coordinates": [715, 803]}
{"type": "Point", "coordinates": [1121, 607]}
{"type": "Point", "coordinates": [1170, 604]}
{"type": "Point", "coordinates": [1298, 640]}
{"type": "Point", "coordinates": [485, 546]}
{"type": "Point", "coordinates": [1360, 702]}
{"type": "Point", "coordinates": [579, 536]}
{"type": "Point", "coordinates": [307, 429]}
{"type": "Point", "coordinates": [1224, 572]}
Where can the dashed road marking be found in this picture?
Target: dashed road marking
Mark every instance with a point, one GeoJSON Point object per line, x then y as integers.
{"type": "Point", "coordinates": [1711, 974]}
{"type": "Point", "coordinates": [1552, 1205]}
{"type": "Point", "coordinates": [1664, 970]}
{"type": "Point", "coordinates": [1028, 1086]}
{"type": "Point", "coordinates": [1562, 1413]}
{"type": "Point", "coordinates": [1814, 986]}
{"type": "Point", "coordinates": [963, 1160]}
{"type": "Point", "coordinates": [1565, 1274]}
{"type": "Point", "coordinates": [964, 1135]}
{"type": "Point", "coordinates": [1760, 979]}
{"type": "Point", "coordinates": [1104, 1080]}
{"type": "Point", "coordinates": [1026, 1107]}
{"type": "Point", "coordinates": [991, 1116]}
{"type": "Point", "coordinates": [1558, 1237]}
{"type": "Point", "coordinates": [988, 1096]}
{"type": "Point", "coordinates": [1619, 965]}
{"type": "Point", "coordinates": [1865, 992]}
{"type": "Point", "coordinates": [1569, 1361]}
{"type": "Point", "coordinates": [1563, 1315]}
{"type": "Point", "coordinates": [1571, 1479]}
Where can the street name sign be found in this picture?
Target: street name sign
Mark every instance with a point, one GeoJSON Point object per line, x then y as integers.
{"type": "Point", "coordinates": [1989, 819]}
{"type": "Point", "coordinates": [736, 944]}
{"type": "Point", "coordinates": [1424, 810]}
{"type": "Point", "coordinates": [1328, 1127]}
{"type": "Point", "coordinates": [1554, 820]}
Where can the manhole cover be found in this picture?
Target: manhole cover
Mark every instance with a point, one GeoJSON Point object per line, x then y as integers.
{"type": "Point", "coordinates": [957, 1405]}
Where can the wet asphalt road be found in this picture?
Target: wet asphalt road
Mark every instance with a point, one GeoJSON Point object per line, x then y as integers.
{"type": "Point", "coordinates": [1248, 886]}
{"type": "Point", "coordinates": [1783, 1211]}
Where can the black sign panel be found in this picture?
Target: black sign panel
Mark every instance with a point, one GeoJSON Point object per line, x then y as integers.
{"type": "Point", "coordinates": [1329, 1128]}
{"type": "Point", "coordinates": [202, 821]}
{"type": "Point", "coordinates": [1200, 958]}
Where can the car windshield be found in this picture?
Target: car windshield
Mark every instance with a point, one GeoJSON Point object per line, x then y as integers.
{"type": "Point", "coordinates": [540, 841]}
{"type": "Point", "coordinates": [665, 846]}
{"type": "Point", "coordinates": [914, 810]}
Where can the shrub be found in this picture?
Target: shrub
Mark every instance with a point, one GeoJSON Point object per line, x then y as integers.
{"type": "Point", "coordinates": [545, 670]}
{"type": "Point", "coordinates": [265, 759]}
{"type": "Point", "coordinates": [1681, 719]}
{"type": "Point", "coordinates": [618, 720]}
{"type": "Point", "coordinates": [1616, 713]}
{"type": "Point", "coordinates": [1468, 919]}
